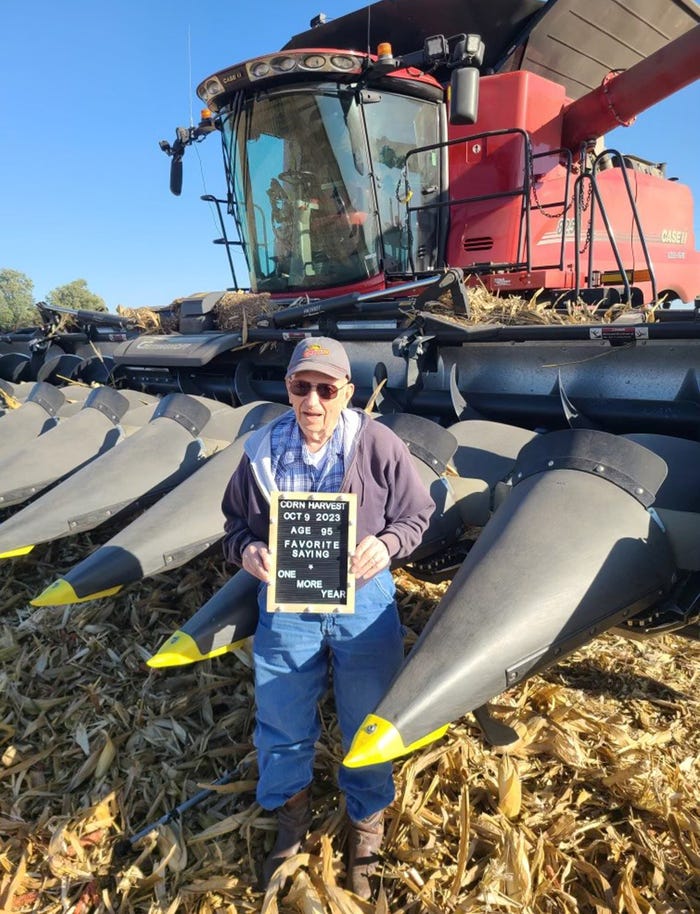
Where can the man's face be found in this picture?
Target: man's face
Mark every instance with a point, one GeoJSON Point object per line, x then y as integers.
{"type": "Point", "coordinates": [317, 417]}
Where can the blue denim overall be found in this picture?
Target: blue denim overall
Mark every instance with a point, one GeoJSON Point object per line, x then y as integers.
{"type": "Point", "coordinates": [293, 653]}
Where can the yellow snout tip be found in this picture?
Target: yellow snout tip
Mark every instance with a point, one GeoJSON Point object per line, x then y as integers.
{"type": "Point", "coordinates": [378, 741]}
{"type": "Point", "coordinates": [181, 649]}
{"type": "Point", "coordinates": [13, 553]}
{"type": "Point", "coordinates": [61, 593]}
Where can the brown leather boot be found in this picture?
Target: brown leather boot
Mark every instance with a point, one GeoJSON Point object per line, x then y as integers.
{"type": "Point", "coordinates": [293, 820]}
{"type": "Point", "coordinates": [364, 842]}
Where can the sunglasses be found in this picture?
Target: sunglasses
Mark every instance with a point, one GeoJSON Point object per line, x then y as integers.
{"type": "Point", "coordinates": [324, 391]}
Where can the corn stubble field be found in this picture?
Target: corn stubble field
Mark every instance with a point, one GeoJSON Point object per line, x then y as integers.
{"type": "Point", "coordinates": [594, 810]}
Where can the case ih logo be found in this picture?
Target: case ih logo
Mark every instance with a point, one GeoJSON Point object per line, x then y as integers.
{"type": "Point", "coordinates": [673, 236]}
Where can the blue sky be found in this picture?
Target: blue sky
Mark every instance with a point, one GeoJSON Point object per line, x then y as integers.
{"type": "Point", "coordinates": [87, 89]}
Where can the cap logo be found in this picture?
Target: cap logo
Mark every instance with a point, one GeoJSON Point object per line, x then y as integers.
{"type": "Point", "coordinates": [315, 350]}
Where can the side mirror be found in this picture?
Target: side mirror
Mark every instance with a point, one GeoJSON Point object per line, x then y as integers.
{"type": "Point", "coordinates": [176, 175]}
{"type": "Point", "coordinates": [464, 95]}
{"type": "Point", "coordinates": [183, 137]}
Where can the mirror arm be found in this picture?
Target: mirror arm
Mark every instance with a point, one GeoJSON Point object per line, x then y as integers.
{"type": "Point", "coordinates": [184, 137]}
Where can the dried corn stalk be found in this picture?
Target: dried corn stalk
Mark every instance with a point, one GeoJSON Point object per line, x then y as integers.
{"type": "Point", "coordinates": [595, 809]}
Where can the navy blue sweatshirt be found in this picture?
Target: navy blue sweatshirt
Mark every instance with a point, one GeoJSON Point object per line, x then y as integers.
{"type": "Point", "coordinates": [393, 504]}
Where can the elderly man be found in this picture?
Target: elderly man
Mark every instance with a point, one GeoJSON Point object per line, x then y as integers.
{"type": "Point", "coordinates": [323, 446]}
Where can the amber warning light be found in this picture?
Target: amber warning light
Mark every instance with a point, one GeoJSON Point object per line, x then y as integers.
{"type": "Point", "coordinates": [206, 123]}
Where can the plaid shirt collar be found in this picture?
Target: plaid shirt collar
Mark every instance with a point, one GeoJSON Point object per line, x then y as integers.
{"type": "Point", "coordinates": [292, 468]}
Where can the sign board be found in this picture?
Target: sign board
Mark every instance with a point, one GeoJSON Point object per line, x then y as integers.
{"type": "Point", "coordinates": [312, 535]}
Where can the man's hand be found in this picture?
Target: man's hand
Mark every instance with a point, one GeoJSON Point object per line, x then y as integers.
{"type": "Point", "coordinates": [256, 560]}
{"type": "Point", "coordinates": [371, 556]}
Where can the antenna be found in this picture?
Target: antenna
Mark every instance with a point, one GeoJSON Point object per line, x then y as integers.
{"type": "Point", "coordinates": [189, 71]}
{"type": "Point", "coordinates": [369, 19]}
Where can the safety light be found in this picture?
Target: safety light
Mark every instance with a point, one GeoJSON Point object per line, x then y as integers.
{"type": "Point", "coordinates": [206, 123]}
{"type": "Point", "coordinates": [384, 51]}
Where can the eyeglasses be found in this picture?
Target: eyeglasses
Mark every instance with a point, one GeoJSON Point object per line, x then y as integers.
{"type": "Point", "coordinates": [325, 391]}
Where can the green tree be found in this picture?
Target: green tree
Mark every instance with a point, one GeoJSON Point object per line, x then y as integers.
{"type": "Point", "coordinates": [76, 296]}
{"type": "Point", "coordinates": [17, 301]}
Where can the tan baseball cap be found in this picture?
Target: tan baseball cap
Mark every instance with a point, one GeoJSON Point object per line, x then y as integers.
{"type": "Point", "coordinates": [322, 354]}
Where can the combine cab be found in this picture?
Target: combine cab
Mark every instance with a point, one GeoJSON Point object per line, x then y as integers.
{"type": "Point", "coordinates": [375, 194]}
{"type": "Point", "coordinates": [350, 172]}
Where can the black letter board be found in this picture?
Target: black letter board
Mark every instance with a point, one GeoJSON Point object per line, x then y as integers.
{"type": "Point", "coordinates": [311, 536]}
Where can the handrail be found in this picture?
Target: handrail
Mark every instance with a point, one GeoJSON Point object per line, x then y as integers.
{"type": "Point", "coordinates": [210, 198]}
{"type": "Point", "coordinates": [633, 207]}
{"type": "Point", "coordinates": [524, 191]}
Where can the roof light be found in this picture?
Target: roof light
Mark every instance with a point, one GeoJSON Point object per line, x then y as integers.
{"type": "Point", "coordinates": [283, 64]}
{"type": "Point", "coordinates": [384, 51]}
{"type": "Point", "coordinates": [314, 61]}
{"type": "Point", "coordinates": [210, 88]}
{"type": "Point", "coordinates": [341, 62]}
{"type": "Point", "coordinates": [273, 67]}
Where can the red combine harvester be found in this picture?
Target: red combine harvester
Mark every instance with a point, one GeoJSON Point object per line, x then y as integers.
{"type": "Point", "coordinates": [365, 187]}
{"type": "Point", "coordinates": [350, 171]}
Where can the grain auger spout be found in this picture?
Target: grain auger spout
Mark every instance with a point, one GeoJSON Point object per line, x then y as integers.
{"type": "Point", "coordinates": [625, 94]}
